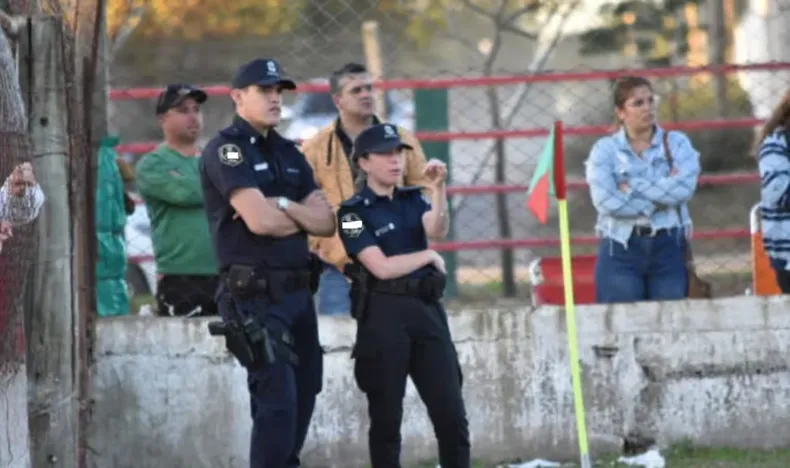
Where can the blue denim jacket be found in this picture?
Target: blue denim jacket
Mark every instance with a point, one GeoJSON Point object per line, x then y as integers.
{"type": "Point", "coordinates": [654, 196]}
{"type": "Point", "coordinates": [775, 197]}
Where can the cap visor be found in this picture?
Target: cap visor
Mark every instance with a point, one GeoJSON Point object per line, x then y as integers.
{"type": "Point", "coordinates": [389, 146]}
{"type": "Point", "coordinates": [198, 95]}
{"type": "Point", "coordinates": [284, 84]}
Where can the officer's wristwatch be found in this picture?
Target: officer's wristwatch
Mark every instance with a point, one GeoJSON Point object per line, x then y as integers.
{"type": "Point", "coordinates": [282, 203]}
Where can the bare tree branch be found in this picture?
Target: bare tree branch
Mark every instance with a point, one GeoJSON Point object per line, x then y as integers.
{"type": "Point", "coordinates": [478, 9]}
{"type": "Point", "coordinates": [510, 28]}
{"type": "Point", "coordinates": [543, 53]}
{"type": "Point", "coordinates": [500, 14]}
{"type": "Point", "coordinates": [125, 31]}
{"type": "Point", "coordinates": [509, 24]}
{"type": "Point", "coordinates": [523, 11]}
{"type": "Point", "coordinates": [460, 40]}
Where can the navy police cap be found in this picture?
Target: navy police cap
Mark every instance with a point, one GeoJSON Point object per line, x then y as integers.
{"type": "Point", "coordinates": [379, 138]}
{"type": "Point", "coordinates": [261, 72]}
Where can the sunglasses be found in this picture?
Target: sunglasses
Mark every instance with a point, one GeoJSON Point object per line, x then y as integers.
{"type": "Point", "coordinates": [650, 101]}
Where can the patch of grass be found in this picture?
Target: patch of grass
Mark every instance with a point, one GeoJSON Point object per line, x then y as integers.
{"type": "Point", "coordinates": [140, 300]}
{"type": "Point", "coordinates": [475, 464]}
{"type": "Point", "coordinates": [689, 456]}
{"type": "Point", "coordinates": [680, 456]}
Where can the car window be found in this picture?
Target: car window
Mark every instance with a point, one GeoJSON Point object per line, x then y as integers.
{"type": "Point", "coordinates": [322, 103]}
{"type": "Point", "coordinates": [318, 103]}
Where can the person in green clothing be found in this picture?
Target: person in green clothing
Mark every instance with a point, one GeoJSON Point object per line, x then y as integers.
{"type": "Point", "coordinates": [169, 183]}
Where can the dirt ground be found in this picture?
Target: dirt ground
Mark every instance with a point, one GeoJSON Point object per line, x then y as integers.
{"type": "Point", "coordinates": [685, 457]}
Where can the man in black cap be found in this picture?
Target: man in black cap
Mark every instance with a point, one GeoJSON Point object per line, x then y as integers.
{"type": "Point", "coordinates": [262, 202]}
{"type": "Point", "coordinates": [169, 182]}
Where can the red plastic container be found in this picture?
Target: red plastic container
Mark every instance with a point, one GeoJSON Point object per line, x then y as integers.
{"type": "Point", "coordinates": [549, 290]}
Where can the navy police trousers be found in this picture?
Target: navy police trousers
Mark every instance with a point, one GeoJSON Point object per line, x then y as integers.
{"type": "Point", "coordinates": [405, 337]}
{"type": "Point", "coordinates": [282, 397]}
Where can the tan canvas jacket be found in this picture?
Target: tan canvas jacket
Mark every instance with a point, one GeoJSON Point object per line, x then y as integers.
{"type": "Point", "coordinates": [332, 172]}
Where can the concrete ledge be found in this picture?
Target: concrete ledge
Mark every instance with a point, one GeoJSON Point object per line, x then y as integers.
{"type": "Point", "coordinates": [14, 436]}
{"type": "Point", "coordinates": [714, 372]}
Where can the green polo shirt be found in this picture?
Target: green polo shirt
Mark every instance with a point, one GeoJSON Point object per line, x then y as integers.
{"type": "Point", "coordinates": [169, 183]}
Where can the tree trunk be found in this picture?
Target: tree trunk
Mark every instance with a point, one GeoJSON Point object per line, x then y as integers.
{"type": "Point", "coordinates": [503, 217]}
{"type": "Point", "coordinates": [718, 51]}
{"type": "Point", "coordinates": [52, 403]}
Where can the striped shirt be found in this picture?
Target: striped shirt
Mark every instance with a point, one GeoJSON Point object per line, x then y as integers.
{"type": "Point", "coordinates": [774, 164]}
{"type": "Point", "coordinates": [655, 197]}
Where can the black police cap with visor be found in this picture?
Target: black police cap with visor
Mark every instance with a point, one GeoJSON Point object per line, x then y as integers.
{"type": "Point", "coordinates": [379, 138]}
{"type": "Point", "coordinates": [261, 72]}
{"type": "Point", "coordinates": [175, 94]}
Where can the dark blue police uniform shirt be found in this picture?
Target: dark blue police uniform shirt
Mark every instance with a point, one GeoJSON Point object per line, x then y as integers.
{"type": "Point", "coordinates": [240, 157]}
{"type": "Point", "coordinates": [394, 225]}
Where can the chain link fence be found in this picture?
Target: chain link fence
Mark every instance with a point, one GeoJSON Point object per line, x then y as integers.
{"type": "Point", "coordinates": [505, 74]}
{"type": "Point", "coordinates": [18, 205]}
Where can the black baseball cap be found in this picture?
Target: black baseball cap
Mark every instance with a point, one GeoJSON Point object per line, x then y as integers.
{"type": "Point", "coordinates": [379, 138]}
{"type": "Point", "coordinates": [261, 72]}
{"type": "Point", "coordinates": [175, 94]}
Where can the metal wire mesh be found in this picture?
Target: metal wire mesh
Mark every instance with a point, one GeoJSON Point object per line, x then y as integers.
{"type": "Point", "coordinates": [498, 126]}
{"type": "Point", "coordinates": [18, 245]}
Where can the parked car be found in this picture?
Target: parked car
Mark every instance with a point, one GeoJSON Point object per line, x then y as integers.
{"type": "Point", "coordinates": [311, 112]}
{"type": "Point", "coordinates": [141, 268]}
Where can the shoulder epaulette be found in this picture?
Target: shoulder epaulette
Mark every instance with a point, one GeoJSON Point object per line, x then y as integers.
{"type": "Point", "coordinates": [355, 200]}
{"type": "Point", "coordinates": [231, 132]}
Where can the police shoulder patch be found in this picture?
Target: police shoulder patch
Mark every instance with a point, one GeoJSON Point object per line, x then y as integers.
{"type": "Point", "coordinates": [230, 155]}
{"type": "Point", "coordinates": [351, 225]}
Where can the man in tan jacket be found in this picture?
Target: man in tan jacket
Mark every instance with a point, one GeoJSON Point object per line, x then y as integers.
{"type": "Point", "coordinates": [328, 153]}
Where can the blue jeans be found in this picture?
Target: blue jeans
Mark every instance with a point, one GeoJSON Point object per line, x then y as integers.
{"type": "Point", "coordinates": [652, 268]}
{"type": "Point", "coordinates": [282, 396]}
{"type": "Point", "coordinates": [333, 293]}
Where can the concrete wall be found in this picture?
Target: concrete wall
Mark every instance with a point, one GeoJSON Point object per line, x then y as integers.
{"type": "Point", "coordinates": [14, 446]}
{"type": "Point", "coordinates": [713, 372]}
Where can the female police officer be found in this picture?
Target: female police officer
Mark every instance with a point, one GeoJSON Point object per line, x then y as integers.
{"type": "Point", "coordinates": [402, 328]}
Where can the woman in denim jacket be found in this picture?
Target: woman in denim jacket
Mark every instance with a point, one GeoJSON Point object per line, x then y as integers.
{"type": "Point", "coordinates": [773, 158]}
{"type": "Point", "coordinates": [643, 220]}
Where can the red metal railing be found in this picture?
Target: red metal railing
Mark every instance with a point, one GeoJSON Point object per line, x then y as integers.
{"type": "Point", "coordinates": [587, 130]}
{"type": "Point", "coordinates": [125, 94]}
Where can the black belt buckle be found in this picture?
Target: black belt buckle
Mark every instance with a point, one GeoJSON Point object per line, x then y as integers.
{"type": "Point", "coordinates": [647, 231]}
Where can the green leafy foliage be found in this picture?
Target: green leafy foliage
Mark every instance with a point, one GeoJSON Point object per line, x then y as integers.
{"type": "Point", "coordinates": [652, 27]}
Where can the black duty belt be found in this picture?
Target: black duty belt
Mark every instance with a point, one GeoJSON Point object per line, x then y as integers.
{"type": "Point", "coordinates": [428, 287]}
{"type": "Point", "coordinates": [267, 280]}
{"type": "Point", "coordinates": [647, 231]}
{"type": "Point", "coordinates": [290, 280]}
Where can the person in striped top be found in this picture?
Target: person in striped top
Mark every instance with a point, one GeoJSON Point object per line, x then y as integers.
{"type": "Point", "coordinates": [773, 156]}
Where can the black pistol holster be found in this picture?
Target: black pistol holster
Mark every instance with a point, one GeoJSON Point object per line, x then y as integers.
{"type": "Point", "coordinates": [361, 286]}
{"type": "Point", "coordinates": [316, 269]}
{"type": "Point", "coordinates": [245, 337]}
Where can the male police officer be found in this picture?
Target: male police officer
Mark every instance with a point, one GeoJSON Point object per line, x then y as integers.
{"type": "Point", "coordinates": [262, 202]}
